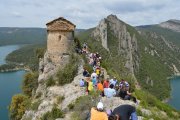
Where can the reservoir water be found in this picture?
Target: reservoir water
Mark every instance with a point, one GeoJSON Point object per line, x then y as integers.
{"type": "Point", "coordinates": [10, 82]}
{"type": "Point", "coordinates": [175, 96]}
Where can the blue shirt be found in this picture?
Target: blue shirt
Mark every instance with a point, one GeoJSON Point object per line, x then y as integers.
{"type": "Point", "coordinates": [109, 92]}
{"type": "Point", "coordinates": [81, 83]}
{"type": "Point", "coordinates": [94, 81]}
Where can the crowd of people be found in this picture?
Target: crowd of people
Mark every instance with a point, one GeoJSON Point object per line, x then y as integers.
{"type": "Point", "coordinates": [107, 87]}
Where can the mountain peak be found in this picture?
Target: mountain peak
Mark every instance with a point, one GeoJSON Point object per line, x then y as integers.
{"type": "Point", "coordinates": [174, 20]}
{"type": "Point", "coordinates": [171, 24]}
{"type": "Point", "coordinates": [112, 16]}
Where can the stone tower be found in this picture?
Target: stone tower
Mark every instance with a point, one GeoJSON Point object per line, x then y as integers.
{"type": "Point", "coordinates": [60, 34]}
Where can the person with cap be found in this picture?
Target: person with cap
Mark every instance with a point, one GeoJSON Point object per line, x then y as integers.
{"type": "Point", "coordinates": [98, 113]}
{"type": "Point", "coordinates": [124, 112]}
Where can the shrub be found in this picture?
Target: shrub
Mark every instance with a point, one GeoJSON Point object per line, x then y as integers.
{"type": "Point", "coordinates": [50, 82]}
{"type": "Point", "coordinates": [40, 52]}
{"type": "Point", "coordinates": [18, 106]}
{"type": "Point", "coordinates": [83, 104]}
{"type": "Point", "coordinates": [35, 105]}
{"type": "Point", "coordinates": [54, 114]}
{"type": "Point", "coordinates": [67, 74]}
{"type": "Point", "coordinates": [30, 83]}
{"type": "Point", "coordinates": [38, 95]}
{"type": "Point", "coordinates": [71, 106]}
{"type": "Point", "coordinates": [60, 99]}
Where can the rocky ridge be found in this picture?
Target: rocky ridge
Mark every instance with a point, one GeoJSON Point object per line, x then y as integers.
{"type": "Point", "coordinates": [171, 24]}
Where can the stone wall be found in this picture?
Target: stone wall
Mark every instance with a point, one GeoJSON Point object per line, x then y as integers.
{"type": "Point", "coordinates": [58, 44]}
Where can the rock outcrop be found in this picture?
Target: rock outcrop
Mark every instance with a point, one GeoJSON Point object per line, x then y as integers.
{"type": "Point", "coordinates": [126, 43]}
{"type": "Point", "coordinates": [171, 24]}
{"type": "Point", "coordinates": [49, 96]}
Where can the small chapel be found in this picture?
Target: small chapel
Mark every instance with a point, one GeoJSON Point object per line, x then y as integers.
{"type": "Point", "coordinates": [60, 35]}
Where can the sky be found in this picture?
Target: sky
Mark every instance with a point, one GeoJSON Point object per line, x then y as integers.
{"type": "Point", "coordinates": [86, 13]}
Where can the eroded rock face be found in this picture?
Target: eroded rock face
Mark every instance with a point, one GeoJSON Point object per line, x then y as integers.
{"type": "Point", "coordinates": [100, 33]}
{"type": "Point", "coordinates": [49, 96]}
{"type": "Point", "coordinates": [48, 68]}
{"type": "Point", "coordinates": [126, 43]}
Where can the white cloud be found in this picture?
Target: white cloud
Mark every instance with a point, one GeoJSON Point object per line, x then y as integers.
{"type": "Point", "coordinates": [86, 13]}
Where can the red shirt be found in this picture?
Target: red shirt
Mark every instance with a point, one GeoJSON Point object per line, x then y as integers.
{"type": "Point", "coordinates": [106, 84]}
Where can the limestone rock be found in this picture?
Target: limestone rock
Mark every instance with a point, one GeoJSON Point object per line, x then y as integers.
{"type": "Point", "coordinates": [127, 44]}
{"type": "Point", "coordinates": [49, 96]}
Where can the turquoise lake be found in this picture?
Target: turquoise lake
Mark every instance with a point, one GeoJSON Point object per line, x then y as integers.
{"type": "Point", "coordinates": [10, 82]}
{"type": "Point", "coordinates": [175, 95]}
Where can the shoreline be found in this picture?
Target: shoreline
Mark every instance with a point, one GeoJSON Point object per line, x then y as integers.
{"type": "Point", "coordinates": [15, 69]}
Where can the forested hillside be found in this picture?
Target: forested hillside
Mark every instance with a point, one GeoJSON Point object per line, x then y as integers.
{"type": "Point", "coordinates": [27, 56]}
{"type": "Point", "coordinates": [170, 35]}
{"type": "Point", "coordinates": [9, 36]}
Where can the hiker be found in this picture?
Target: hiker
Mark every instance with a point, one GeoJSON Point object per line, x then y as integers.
{"type": "Point", "coordinates": [113, 81]}
{"type": "Point", "coordinates": [94, 80]}
{"type": "Point", "coordinates": [98, 71]}
{"type": "Point", "coordinates": [90, 85]}
{"type": "Point", "coordinates": [121, 83]}
{"type": "Point", "coordinates": [100, 88]}
{"type": "Point", "coordinates": [124, 112]}
{"type": "Point", "coordinates": [85, 73]}
{"type": "Point", "coordinates": [109, 92]}
{"type": "Point", "coordinates": [98, 113]}
{"type": "Point", "coordinates": [102, 73]}
{"type": "Point", "coordinates": [94, 64]}
{"type": "Point", "coordinates": [91, 61]}
{"type": "Point", "coordinates": [123, 92]}
{"type": "Point", "coordinates": [98, 63]}
{"type": "Point", "coordinates": [82, 83]}
{"type": "Point", "coordinates": [94, 75]}
{"type": "Point", "coordinates": [94, 68]}
{"type": "Point", "coordinates": [117, 90]}
{"type": "Point", "coordinates": [126, 95]}
{"type": "Point", "coordinates": [97, 55]}
{"type": "Point", "coordinates": [85, 45]}
{"type": "Point", "coordinates": [106, 83]}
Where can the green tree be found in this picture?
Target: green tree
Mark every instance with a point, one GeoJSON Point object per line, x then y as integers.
{"type": "Point", "coordinates": [18, 106]}
{"type": "Point", "coordinates": [30, 83]}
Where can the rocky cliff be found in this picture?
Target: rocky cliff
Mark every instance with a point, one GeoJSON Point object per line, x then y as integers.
{"type": "Point", "coordinates": [125, 43]}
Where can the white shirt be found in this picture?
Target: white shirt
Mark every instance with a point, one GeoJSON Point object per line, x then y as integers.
{"type": "Point", "coordinates": [93, 75]}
